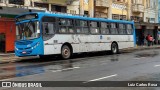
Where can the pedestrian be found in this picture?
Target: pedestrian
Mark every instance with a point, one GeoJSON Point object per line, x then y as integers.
{"type": "Point", "coordinates": [151, 40]}
{"type": "Point", "coordinates": [148, 39]}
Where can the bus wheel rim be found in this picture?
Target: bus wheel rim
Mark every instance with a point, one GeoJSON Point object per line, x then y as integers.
{"type": "Point", "coordinates": [66, 53]}
{"type": "Point", "coordinates": [114, 48]}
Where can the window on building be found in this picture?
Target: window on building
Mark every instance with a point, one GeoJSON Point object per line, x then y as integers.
{"type": "Point", "coordinates": [129, 29]}
{"type": "Point", "coordinates": [122, 29]}
{"type": "Point", "coordinates": [57, 8]}
{"type": "Point", "coordinates": [86, 13]}
{"type": "Point", "coordinates": [94, 27]}
{"type": "Point", "coordinates": [105, 28]}
{"type": "Point", "coordinates": [123, 17]}
{"type": "Point", "coordinates": [113, 28]}
{"type": "Point", "coordinates": [19, 2]}
{"type": "Point", "coordinates": [42, 5]}
{"type": "Point", "coordinates": [73, 11]}
{"type": "Point", "coordinates": [82, 27]}
{"type": "Point", "coordinates": [115, 16]}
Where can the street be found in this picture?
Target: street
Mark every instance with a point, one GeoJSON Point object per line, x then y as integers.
{"type": "Point", "coordinates": [141, 65]}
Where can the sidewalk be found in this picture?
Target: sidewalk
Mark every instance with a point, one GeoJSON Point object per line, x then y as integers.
{"type": "Point", "coordinates": [10, 57]}
{"type": "Point", "coordinates": [141, 48]}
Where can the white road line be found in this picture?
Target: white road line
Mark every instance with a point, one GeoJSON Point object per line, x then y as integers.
{"type": "Point", "coordinates": [140, 58]}
{"type": "Point", "coordinates": [66, 69]}
{"type": "Point", "coordinates": [98, 79]}
{"type": "Point", "coordinates": [156, 65]}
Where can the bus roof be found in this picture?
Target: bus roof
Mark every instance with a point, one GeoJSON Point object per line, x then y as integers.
{"type": "Point", "coordinates": [77, 17]}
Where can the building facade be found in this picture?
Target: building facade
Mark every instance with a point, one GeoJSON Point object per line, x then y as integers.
{"type": "Point", "coordinates": [145, 16]}
{"type": "Point", "coordinates": [158, 11]}
{"type": "Point", "coordinates": [120, 9]}
{"type": "Point", "coordinates": [11, 8]}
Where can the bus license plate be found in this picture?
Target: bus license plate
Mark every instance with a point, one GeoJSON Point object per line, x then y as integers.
{"type": "Point", "coordinates": [24, 52]}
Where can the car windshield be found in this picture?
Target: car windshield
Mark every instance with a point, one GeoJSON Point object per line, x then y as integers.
{"type": "Point", "coordinates": [27, 30]}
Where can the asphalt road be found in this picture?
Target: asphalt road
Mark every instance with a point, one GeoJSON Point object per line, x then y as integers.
{"type": "Point", "coordinates": [133, 66]}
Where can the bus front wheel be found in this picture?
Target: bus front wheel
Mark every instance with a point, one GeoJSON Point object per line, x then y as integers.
{"type": "Point", "coordinates": [66, 52]}
{"type": "Point", "coordinates": [114, 48]}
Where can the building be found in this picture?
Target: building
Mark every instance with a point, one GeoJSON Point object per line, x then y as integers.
{"type": "Point", "coordinates": [120, 9]}
{"type": "Point", "coordinates": [51, 5]}
{"type": "Point", "coordinates": [11, 8]}
{"type": "Point", "coordinates": [103, 8]}
{"type": "Point", "coordinates": [8, 10]}
{"type": "Point", "coordinates": [145, 15]}
{"type": "Point", "coordinates": [158, 11]}
{"type": "Point", "coordinates": [7, 35]}
{"type": "Point", "coordinates": [81, 7]}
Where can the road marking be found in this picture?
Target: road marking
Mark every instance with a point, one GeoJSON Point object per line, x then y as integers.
{"type": "Point", "coordinates": [98, 79]}
{"type": "Point", "coordinates": [156, 65]}
{"type": "Point", "coordinates": [140, 58]}
{"type": "Point", "coordinates": [104, 63]}
{"type": "Point", "coordinates": [66, 69]}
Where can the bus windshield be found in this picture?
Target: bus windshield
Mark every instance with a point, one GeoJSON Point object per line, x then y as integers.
{"type": "Point", "coordinates": [27, 30]}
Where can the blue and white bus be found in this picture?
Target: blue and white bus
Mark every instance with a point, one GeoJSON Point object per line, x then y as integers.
{"type": "Point", "coordinates": [42, 33]}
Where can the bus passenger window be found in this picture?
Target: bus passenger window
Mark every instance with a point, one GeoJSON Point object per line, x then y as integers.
{"type": "Point", "coordinates": [82, 27]}
{"type": "Point", "coordinates": [48, 28]}
{"type": "Point", "coordinates": [85, 30]}
{"type": "Point", "coordinates": [122, 29]}
{"type": "Point", "coordinates": [63, 29]}
{"type": "Point", "coordinates": [104, 28]}
{"type": "Point", "coordinates": [113, 28]}
{"type": "Point", "coordinates": [78, 30]}
{"type": "Point", "coordinates": [70, 29]}
{"type": "Point", "coordinates": [129, 29]}
{"type": "Point", "coordinates": [66, 26]}
{"type": "Point", "coordinates": [94, 28]}
{"type": "Point", "coordinates": [62, 22]}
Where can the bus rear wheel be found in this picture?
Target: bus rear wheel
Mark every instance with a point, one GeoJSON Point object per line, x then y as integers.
{"type": "Point", "coordinates": [114, 48]}
{"type": "Point", "coordinates": [66, 52]}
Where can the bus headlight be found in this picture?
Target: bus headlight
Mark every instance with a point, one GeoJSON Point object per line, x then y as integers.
{"type": "Point", "coordinates": [35, 46]}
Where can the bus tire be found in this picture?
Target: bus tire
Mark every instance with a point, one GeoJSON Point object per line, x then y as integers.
{"type": "Point", "coordinates": [114, 48]}
{"type": "Point", "coordinates": [66, 52]}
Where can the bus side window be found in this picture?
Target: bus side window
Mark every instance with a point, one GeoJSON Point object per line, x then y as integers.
{"type": "Point", "coordinates": [62, 26]}
{"type": "Point", "coordinates": [122, 29]}
{"type": "Point", "coordinates": [94, 27]}
{"type": "Point", "coordinates": [70, 26]}
{"type": "Point", "coordinates": [48, 27]}
{"type": "Point", "coordinates": [82, 27]}
{"type": "Point", "coordinates": [104, 28]}
{"type": "Point", "coordinates": [113, 28]}
{"type": "Point", "coordinates": [66, 26]}
{"type": "Point", "coordinates": [129, 29]}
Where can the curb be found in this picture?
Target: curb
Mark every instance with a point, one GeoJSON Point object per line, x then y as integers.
{"type": "Point", "coordinates": [15, 59]}
{"type": "Point", "coordinates": [140, 48]}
